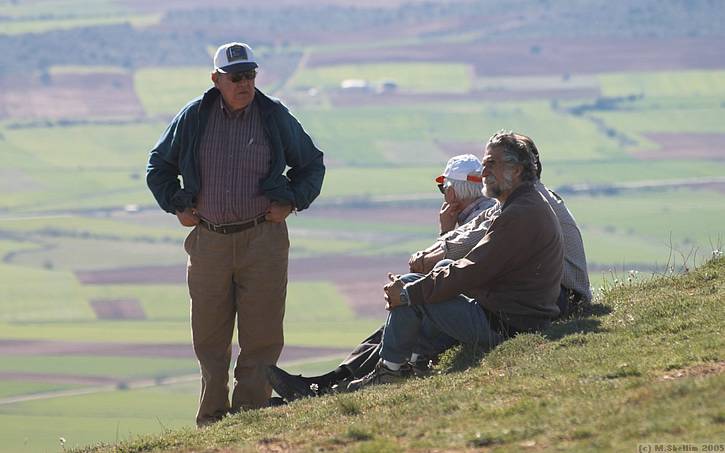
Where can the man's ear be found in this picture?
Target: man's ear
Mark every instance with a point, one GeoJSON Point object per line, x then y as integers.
{"type": "Point", "coordinates": [518, 170]}
{"type": "Point", "coordinates": [214, 78]}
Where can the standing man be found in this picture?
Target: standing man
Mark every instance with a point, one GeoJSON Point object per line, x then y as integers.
{"type": "Point", "coordinates": [231, 147]}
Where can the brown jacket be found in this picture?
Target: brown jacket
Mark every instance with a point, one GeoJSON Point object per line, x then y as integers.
{"type": "Point", "coordinates": [514, 271]}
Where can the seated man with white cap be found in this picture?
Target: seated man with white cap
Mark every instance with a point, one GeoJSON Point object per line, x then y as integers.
{"type": "Point", "coordinates": [461, 185]}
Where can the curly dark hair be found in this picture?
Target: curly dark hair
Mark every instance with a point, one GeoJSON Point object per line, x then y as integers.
{"type": "Point", "coordinates": [533, 150]}
{"type": "Point", "coordinates": [517, 149]}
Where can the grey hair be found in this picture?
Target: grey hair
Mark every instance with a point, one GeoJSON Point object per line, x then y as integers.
{"type": "Point", "coordinates": [465, 190]}
{"type": "Point", "coordinates": [516, 151]}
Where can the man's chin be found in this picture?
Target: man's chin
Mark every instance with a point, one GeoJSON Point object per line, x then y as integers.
{"type": "Point", "coordinates": [491, 192]}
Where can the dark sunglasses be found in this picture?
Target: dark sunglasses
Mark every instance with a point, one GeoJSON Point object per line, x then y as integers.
{"type": "Point", "coordinates": [442, 188]}
{"type": "Point", "coordinates": [235, 77]}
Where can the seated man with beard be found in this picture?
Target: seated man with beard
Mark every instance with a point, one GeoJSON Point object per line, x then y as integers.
{"type": "Point", "coordinates": [463, 200]}
{"type": "Point", "coordinates": [454, 245]}
{"type": "Point", "coordinates": [508, 283]}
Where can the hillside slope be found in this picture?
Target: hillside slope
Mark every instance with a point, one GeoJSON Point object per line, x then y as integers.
{"type": "Point", "coordinates": [644, 365]}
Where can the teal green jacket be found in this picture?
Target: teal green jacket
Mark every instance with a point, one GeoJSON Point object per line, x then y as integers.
{"type": "Point", "coordinates": [177, 154]}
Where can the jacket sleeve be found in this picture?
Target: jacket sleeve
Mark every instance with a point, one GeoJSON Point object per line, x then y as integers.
{"type": "Point", "coordinates": [162, 170]}
{"type": "Point", "coordinates": [305, 160]}
{"type": "Point", "coordinates": [492, 257]}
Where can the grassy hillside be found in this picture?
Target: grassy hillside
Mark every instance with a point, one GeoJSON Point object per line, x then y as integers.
{"type": "Point", "coordinates": [644, 365]}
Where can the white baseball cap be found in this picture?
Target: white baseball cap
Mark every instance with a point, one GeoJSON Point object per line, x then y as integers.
{"type": "Point", "coordinates": [465, 167]}
{"type": "Point", "coordinates": [234, 57]}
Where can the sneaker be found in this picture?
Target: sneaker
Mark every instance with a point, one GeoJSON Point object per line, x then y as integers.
{"type": "Point", "coordinates": [380, 375]}
{"type": "Point", "coordinates": [291, 387]}
{"type": "Point", "coordinates": [276, 401]}
{"type": "Point", "coordinates": [422, 367]}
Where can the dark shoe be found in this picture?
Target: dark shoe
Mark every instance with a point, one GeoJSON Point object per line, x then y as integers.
{"type": "Point", "coordinates": [291, 387]}
{"type": "Point", "coordinates": [380, 375]}
{"type": "Point", "coordinates": [422, 367]}
{"type": "Point", "coordinates": [276, 401]}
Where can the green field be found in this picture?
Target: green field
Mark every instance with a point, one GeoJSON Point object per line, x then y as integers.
{"type": "Point", "coordinates": [107, 416]}
{"type": "Point", "coordinates": [75, 198]}
{"type": "Point", "coordinates": [164, 91]}
{"type": "Point", "coordinates": [409, 77]}
{"type": "Point", "coordinates": [680, 84]}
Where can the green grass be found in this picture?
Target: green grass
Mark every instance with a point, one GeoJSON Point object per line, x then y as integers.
{"type": "Point", "coordinates": [22, 26]}
{"type": "Point", "coordinates": [645, 365]}
{"type": "Point", "coordinates": [164, 91]}
{"type": "Point", "coordinates": [115, 367]}
{"type": "Point", "coordinates": [65, 252]}
{"type": "Point", "coordinates": [676, 84]}
{"type": "Point", "coordinates": [15, 388]}
{"type": "Point", "coordinates": [84, 147]}
{"type": "Point", "coordinates": [523, 83]}
{"type": "Point", "coordinates": [107, 416]}
{"type": "Point", "coordinates": [120, 227]}
{"type": "Point", "coordinates": [39, 295]}
{"type": "Point", "coordinates": [696, 120]}
{"type": "Point", "coordinates": [626, 170]}
{"type": "Point", "coordinates": [316, 315]}
{"type": "Point", "coordinates": [368, 136]}
{"type": "Point", "coordinates": [410, 77]}
{"type": "Point", "coordinates": [38, 425]}
{"type": "Point", "coordinates": [656, 216]}
{"type": "Point", "coordinates": [59, 8]}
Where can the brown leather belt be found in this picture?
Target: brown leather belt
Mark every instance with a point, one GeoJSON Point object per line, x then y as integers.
{"type": "Point", "coordinates": [229, 228]}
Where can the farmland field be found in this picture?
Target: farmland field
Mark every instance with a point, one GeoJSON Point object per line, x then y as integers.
{"type": "Point", "coordinates": [629, 119]}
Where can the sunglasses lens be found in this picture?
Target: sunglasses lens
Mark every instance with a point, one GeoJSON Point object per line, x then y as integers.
{"type": "Point", "coordinates": [443, 190]}
{"type": "Point", "coordinates": [244, 75]}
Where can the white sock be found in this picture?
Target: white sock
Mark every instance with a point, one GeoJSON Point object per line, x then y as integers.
{"type": "Point", "coordinates": [392, 365]}
{"type": "Point", "coordinates": [413, 357]}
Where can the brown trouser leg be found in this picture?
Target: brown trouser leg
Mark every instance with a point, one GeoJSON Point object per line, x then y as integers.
{"type": "Point", "coordinates": [242, 276]}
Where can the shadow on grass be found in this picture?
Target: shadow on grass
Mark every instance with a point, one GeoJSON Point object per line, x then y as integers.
{"type": "Point", "coordinates": [582, 321]}
{"type": "Point", "coordinates": [463, 357]}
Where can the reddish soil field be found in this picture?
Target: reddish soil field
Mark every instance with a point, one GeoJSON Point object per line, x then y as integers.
{"type": "Point", "coordinates": [118, 309]}
{"type": "Point", "coordinates": [334, 268]}
{"type": "Point", "coordinates": [554, 56]}
{"type": "Point", "coordinates": [685, 146]}
{"type": "Point", "coordinates": [410, 215]}
{"type": "Point", "coordinates": [70, 96]}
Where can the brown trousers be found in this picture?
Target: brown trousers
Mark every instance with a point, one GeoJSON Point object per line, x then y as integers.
{"type": "Point", "coordinates": [242, 277]}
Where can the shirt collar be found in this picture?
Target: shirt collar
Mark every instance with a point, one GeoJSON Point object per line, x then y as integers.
{"type": "Point", "coordinates": [239, 114]}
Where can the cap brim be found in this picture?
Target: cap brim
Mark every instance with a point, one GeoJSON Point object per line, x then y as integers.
{"type": "Point", "coordinates": [440, 179]}
{"type": "Point", "coordinates": [237, 67]}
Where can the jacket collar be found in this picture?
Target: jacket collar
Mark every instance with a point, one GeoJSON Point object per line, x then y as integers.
{"type": "Point", "coordinates": [520, 191]}
{"type": "Point", "coordinates": [264, 102]}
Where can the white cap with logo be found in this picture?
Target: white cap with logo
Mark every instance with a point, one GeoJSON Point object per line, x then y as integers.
{"type": "Point", "coordinates": [234, 57]}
